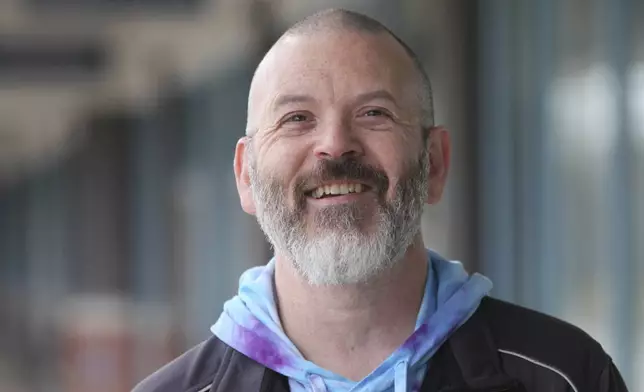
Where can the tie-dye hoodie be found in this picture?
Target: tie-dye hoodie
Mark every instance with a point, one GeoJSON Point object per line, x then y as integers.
{"type": "Point", "coordinates": [250, 324]}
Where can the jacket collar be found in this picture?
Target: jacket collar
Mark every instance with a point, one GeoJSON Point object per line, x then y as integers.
{"type": "Point", "coordinates": [469, 361]}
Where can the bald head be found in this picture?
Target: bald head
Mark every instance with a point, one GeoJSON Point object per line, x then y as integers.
{"type": "Point", "coordinates": [339, 21]}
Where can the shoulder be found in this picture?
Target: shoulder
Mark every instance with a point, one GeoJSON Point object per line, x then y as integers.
{"type": "Point", "coordinates": [534, 344]}
{"type": "Point", "coordinates": [518, 327]}
{"type": "Point", "coordinates": [191, 372]}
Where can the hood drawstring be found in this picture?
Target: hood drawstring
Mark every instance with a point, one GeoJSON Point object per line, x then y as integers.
{"type": "Point", "coordinates": [400, 377]}
{"type": "Point", "coordinates": [317, 383]}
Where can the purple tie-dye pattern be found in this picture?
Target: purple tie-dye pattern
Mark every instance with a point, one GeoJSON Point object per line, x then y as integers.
{"type": "Point", "coordinates": [414, 342]}
{"type": "Point", "coordinates": [256, 344]}
{"type": "Point", "coordinates": [250, 324]}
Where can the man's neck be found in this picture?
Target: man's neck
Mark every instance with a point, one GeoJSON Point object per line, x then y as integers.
{"type": "Point", "coordinates": [351, 329]}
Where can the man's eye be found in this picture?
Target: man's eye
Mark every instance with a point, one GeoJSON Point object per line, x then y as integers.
{"type": "Point", "coordinates": [296, 118]}
{"type": "Point", "coordinates": [375, 113]}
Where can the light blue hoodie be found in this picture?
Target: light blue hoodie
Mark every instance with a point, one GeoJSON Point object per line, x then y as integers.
{"type": "Point", "coordinates": [250, 324]}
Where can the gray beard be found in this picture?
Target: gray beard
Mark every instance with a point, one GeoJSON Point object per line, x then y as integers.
{"type": "Point", "coordinates": [336, 250]}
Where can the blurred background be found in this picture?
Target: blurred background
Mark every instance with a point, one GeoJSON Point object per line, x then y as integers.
{"type": "Point", "coordinates": [121, 233]}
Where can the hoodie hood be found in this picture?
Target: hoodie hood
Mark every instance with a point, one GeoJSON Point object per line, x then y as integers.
{"type": "Point", "coordinates": [250, 324]}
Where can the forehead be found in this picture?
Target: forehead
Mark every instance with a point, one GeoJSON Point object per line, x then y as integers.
{"type": "Point", "coordinates": [335, 63]}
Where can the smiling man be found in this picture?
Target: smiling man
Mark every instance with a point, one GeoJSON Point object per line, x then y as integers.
{"type": "Point", "coordinates": [340, 155]}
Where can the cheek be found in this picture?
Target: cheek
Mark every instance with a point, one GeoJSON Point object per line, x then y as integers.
{"type": "Point", "coordinates": [389, 156]}
{"type": "Point", "coordinates": [282, 163]}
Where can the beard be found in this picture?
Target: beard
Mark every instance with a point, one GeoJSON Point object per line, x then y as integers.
{"type": "Point", "coordinates": [346, 243]}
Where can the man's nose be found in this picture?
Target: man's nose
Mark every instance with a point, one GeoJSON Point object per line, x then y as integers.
{"type": "Point", "coordinates": [338, 141]}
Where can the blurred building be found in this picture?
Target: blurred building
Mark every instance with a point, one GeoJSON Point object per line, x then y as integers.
{"type": "Point", "coordinates": [120, 229]}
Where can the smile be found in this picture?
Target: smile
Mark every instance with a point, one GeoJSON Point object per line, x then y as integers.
{"type": "Point", "coordinates": [337, 190]}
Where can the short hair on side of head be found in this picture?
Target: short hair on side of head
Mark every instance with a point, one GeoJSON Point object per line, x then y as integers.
{"type": "Point", "coordinates": [337, 18]}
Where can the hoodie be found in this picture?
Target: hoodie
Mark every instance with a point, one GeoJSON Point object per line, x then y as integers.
{"type": "Point", "coordinates": [250, 324]}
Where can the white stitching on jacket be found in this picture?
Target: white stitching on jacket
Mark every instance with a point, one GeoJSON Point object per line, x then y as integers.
{"type": "Point", "coordinates": [206, 388]}
{"type": "Point", "coordinates": [559, 372]}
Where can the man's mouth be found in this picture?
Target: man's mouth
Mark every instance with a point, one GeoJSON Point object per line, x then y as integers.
{"type": "Point", "coordinates": [331, 190]}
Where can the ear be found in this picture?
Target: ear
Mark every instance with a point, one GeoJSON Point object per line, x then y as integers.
{"type": "Point", "coordinates": [439, 147]}
{"type": "Point", "coordinates": [242, 179]}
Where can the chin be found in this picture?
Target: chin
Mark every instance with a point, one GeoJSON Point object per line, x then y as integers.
{"type": "Point", "coordinates": [342, 258]}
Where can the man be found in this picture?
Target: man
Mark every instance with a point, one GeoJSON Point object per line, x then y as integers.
{"type": "Point", "coordinates": [341, 153]}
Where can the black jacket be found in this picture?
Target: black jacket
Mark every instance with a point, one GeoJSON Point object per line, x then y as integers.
{"type": "Point", "coordinates": [502, 347]}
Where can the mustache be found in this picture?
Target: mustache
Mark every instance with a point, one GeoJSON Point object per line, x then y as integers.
{"type": "Point", "coordinates": [343, 169]}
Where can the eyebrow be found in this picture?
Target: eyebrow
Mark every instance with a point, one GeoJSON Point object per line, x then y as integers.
{"type": "Point", "coordinates": [291, 98]}
{"type": "Point", "coordinates": [376, 94]}
{"type": "Point", "coordinates": [361, 98]}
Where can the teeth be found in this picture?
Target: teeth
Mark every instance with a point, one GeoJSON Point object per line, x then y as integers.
{"type": "Point", "coordinates": [336, 189]}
